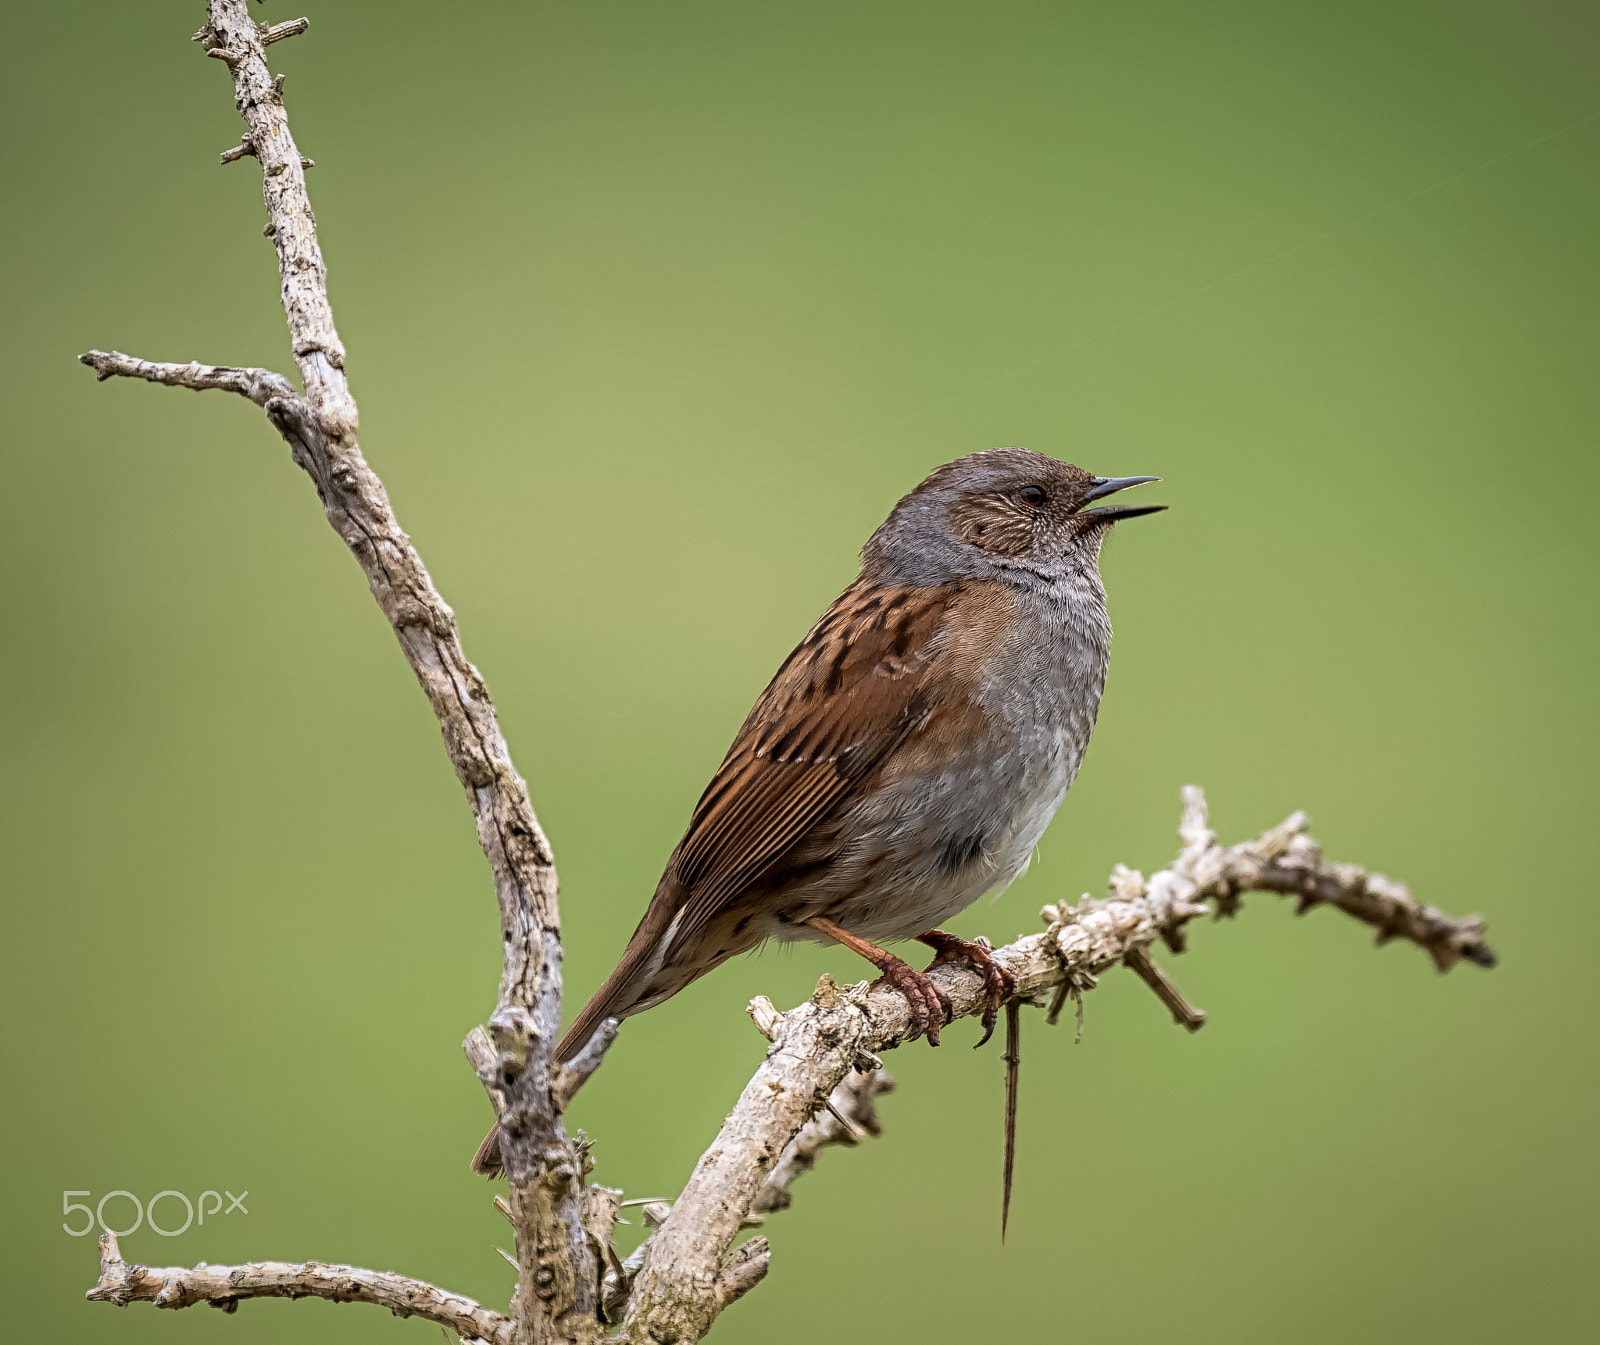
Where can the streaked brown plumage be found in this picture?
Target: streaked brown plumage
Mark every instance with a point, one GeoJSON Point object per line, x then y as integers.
{"type": "Point", "coordinates": [909, 752]}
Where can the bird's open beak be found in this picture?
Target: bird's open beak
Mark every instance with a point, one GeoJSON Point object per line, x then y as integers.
{"type": "Point", "coordinates": [1102, 486]}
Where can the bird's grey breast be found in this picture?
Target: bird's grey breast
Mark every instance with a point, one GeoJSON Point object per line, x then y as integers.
{"type": "Point", "coordinates": [935, 840]}
{"type": "Point", "coordinates": [1043, 692]}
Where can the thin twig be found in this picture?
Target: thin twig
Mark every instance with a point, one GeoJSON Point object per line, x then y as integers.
{"type": "Point", "coordinates": [1184, 1014]}
{"type": "Point", "coordinates": [259, 385]}
{"type": "Point", "coordinates": [224, 1287]}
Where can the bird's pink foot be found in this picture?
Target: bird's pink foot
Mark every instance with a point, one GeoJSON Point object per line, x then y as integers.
{"type": "Point", "coordinates": [997, 981]}
{"type": "Point", "coordinates": [930, 1006]}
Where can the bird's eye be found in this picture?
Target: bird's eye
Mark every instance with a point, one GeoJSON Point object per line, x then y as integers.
{"type": "Point", "coordinates": [1032, 495]}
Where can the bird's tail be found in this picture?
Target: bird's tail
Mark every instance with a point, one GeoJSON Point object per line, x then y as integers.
{"type": "Point", "coordinates": [617, 998]}
{"type": "Point", "coordinates": [486, 1162]}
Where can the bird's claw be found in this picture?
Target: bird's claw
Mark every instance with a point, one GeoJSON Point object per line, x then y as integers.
{"type": "Point", "coordinates": [930, 1006]}
{"type": "Point", "coordinates": [998, 983]}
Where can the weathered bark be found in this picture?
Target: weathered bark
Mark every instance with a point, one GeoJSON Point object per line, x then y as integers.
{"type": "Point", "coordinates": [552, 1301]}
{"type": "Point", "coordinates": [224, 1286]}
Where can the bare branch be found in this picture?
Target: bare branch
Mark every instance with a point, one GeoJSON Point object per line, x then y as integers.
{"type": "Point", "coordinates": [849, 1114]}
{"type": "Point", "coordinates": [845, 1117]}
{"type": "Point", "coordinates": [678, 1293]}
{"type": "Point", "coordinates": [321, 430]}
{"type": "Point", "coordinates": [317, 349]}
{"type": "Point", "coordinates": [553, 1300]}
{"type": "Point", "coordinates": [224, 1286]}
{"type": "Point", "coordinates": [259, 385]}
{"type": "Point", "coordinates": [1378, 901]}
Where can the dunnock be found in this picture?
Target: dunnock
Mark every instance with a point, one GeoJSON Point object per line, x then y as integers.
{"type": "Point", "coordinates": [908, 755]}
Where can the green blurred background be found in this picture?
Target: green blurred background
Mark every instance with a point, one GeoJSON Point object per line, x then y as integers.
{"type": "Point", "coordinates": [653, 310]}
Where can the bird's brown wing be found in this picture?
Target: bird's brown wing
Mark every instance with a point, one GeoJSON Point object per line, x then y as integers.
{"type": "Point", "coordinates": [854, 689]}
{"type": "Point", "coordinates": [851, 692]}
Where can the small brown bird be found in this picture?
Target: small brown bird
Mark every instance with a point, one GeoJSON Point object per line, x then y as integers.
{"type": "Point", "coordinates": [908, 755]}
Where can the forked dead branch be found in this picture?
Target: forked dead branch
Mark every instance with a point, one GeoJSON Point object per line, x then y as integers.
{"type": "Point", "coordinates": [817, 1084]}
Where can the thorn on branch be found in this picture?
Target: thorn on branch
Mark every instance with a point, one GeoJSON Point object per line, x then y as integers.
{"type": "Point", "coordinates": [227, 54]}
{"type": "Point", "coordinates": [242, 149]}
{"type": "Point", "coordinates": [1183, 1013]}
{"type": "Point", "coordinates": [1071, 987]}
{"type": "Point", "coordinates": [653, 1212]}
{"type": "Point", "coordinates": [278, 31]}
{"type": "Point", "coordinates": [1012, 1056]}
{"type": "Point", "coordinates": [1058, 1001]}
{"type": "Point", "coordinates": [852, 1135]}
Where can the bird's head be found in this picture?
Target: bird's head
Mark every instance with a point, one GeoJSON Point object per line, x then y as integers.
{"type": "Point", "coordinates": [1005, 509]}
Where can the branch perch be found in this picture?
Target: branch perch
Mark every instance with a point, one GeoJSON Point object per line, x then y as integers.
{"type": "Point", "coordinates": [677, 1294]}
{"type": "Point", "coordinates": [850, 1115]}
